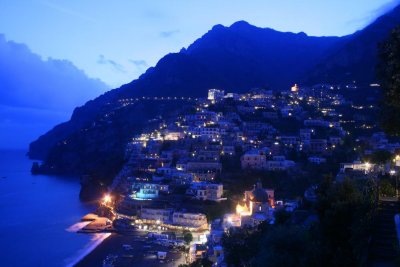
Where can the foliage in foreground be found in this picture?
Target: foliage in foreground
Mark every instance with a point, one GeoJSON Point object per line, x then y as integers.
{"type": "Point", "coordinates": [339, 238]}
{"type": "Point", "coordinates": [389, 75]}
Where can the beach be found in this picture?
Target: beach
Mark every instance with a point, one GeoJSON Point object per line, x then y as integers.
{"type": "Point", "coordinates": [142, 253]}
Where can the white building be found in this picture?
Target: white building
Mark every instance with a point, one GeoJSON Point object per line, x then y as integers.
{"type": "Point", "coordinates": [156, 214]}
{"type": "Point", "coordinates": [279, 163]}
{"type": "Point", "coordinates": [215, 95]}
{"type": "Point", "coordinates": [188, 219]}
{"type": "Point", "coordinates": [143, 191]}
{"type": "Point", "coordinates": [357, 166]}
{"type": "Point", "coordinates": [254, 159]}
{"type": "Point", "coordinates": [173, 136]}
{"type": "Point", "coordinates": [206, 191]}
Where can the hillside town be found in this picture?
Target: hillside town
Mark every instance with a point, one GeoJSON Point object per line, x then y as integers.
{"type": "Point", "coordinates": [235, 160]}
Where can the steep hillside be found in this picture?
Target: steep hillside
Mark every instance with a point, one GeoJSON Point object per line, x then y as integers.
{"type": "Point", "coordinates": [356, 59]}
{"type": "Point", "coordinates": [234, 58]}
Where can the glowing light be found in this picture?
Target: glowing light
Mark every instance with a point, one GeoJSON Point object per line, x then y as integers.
{"type": "Point", "coordinates": [367, 165]}
{"type": "Point", "coordinates": [107, 199]}
{"type": "Point", "coordinates": [242, 210]}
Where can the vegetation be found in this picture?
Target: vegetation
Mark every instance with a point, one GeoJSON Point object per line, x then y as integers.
{"type": "Point", "coordinates": [198, 263]}
{"type": "Point", "coordinates": [380, 157]}
{"type": "Point", "coordinates": [389, 74]}
{"type": "Point", "coordinates": [338, 238]}
{"type": "Point", "coordinates": [386, 188]}
{"type": "Point", "coordinates": [187, 237]}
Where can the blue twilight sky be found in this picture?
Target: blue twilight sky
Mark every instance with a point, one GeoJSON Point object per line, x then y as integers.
{"type": "Point", "coordinates": [117, 40]}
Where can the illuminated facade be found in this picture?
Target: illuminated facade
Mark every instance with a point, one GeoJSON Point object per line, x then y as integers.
{"type": "Point", "coordinates": [186, 219]}
{"type": "Point", "coordinates": [146, 191]}
{"type": "Point", "coordinates": [257, 205]}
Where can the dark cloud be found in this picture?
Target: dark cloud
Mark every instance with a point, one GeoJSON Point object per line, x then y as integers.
{"type": "Point", "coordinates": [19, 125]}
{"type": "Point", "coordinates": [35, 94]}
{"type": "Point", "coordinates": [105, 61]}
{"type": "Point", "coordinates": [26, 80]}
{"type": "Point", "coordinates": [167, 34]}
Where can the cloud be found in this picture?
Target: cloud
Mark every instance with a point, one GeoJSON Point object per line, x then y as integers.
{"type": "Point", "coordinates": [36, 94]}
{"type": "Point", "coordinates": [138, 63]}
{"type": "Point", "coordinates": [105, 61]}
{"type": "Point", "coordinates": [20, 125]}
{"type": "Point", "coordinates": [26, 80]}
{"type": "Point", "coordinates": [166, 34]}
{"type": "Point", "coordinates": [67, 11]}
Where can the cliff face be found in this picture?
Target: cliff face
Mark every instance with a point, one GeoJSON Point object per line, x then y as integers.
{"type": "Point", "coordinates": [235, 58]}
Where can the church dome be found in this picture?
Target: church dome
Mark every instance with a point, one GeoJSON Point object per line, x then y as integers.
{"type": "Point", "coordinates": [259, 195]}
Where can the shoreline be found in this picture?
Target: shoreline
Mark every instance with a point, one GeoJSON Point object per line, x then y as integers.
{"type": "Point", "coordinates": [141, 255]}
{"type": "Point", "coordinates": [97, 253]}
{"type": "Point", "coordinates": [95, 241]}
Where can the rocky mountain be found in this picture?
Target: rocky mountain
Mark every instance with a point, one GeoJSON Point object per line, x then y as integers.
{"type": "Point", "coordinates": [234, 58]}
{"type": "Point", "coordinates": [355, 59]}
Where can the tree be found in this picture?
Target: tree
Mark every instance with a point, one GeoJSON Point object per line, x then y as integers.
{"type": "Point", "coordinates": [386, 188]}
{"type": "Point", "coordinates": [241, 245]}
{"type": "Point", "coordinates": [380, 156]}
{"type": "Point", "coordinates": [281, 216]}
{"type": "Point", "coordinates": [345, 212]}
{"type": "Point", "coordinates": [287, 245]}
{"type": "Point", "coordinates": [202, 263]}
{"type": "Point", "coordinates": [389, 75]}
{"type": "Point", "coordinates": [187, 237]}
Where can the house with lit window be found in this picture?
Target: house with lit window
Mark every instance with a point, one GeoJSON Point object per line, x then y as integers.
{"type": "Point", "coordinates": [156, 214]}
{"type": "Point", "coordinates": [189, 219]}
{"type": "Point", "coordinates": [145, 191]}
{"type": "Point", "coordinates": [215, 95]}
{"type": "Point", "coordinates": [254, 159]}
{"type": "Point", "coordinates": [206, 191]}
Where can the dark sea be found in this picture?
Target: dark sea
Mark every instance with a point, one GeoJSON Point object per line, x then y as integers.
{"type": "Point", "coordinates": [39, 216]}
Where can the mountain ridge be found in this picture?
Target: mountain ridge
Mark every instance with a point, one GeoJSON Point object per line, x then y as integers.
{"type": "Point", "coordinates": [235, 58]}
{"type": "Point", "coordinates": [356, 59]}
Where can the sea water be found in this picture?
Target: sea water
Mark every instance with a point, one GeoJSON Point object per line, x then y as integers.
{"type": "Point", "coordinates": [39, 216]}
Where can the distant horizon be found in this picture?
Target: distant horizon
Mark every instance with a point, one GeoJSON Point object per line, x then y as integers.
{"type": "Point", "coordinates": [127, 45]}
